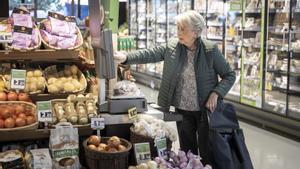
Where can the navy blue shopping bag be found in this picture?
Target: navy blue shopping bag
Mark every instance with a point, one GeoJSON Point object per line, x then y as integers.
{"type": "Point", "coordinates": [226, 140]}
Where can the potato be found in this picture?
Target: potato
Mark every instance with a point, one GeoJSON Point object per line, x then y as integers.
{"type": "Point", "coordinates": [41, 79]}
{"type": "Point", "coordinates": [94, 140]}
{"type": "Point", "coordinates": [63, 79]}
{"type": "Point", "coordinates": [32, 87]}
{"type": "Point", "coordinates": [121, 148]}
{"type": "Point", "coordinates": [114, 140]}
{"type": "Point", "coordinates": [29, 74]}
{"type": "Point", "coordinates": [37, 73]}
{"type": "Point", "coordinates": [74, 69]}
{"type": "Point", "coordinates": [52, 80]}
{"type": "Point", "coordinates": [53, 89]}
{"type": "Point", "coordinates": [69, 87]}
{"type": "Point", "coordinates": [40, 85]}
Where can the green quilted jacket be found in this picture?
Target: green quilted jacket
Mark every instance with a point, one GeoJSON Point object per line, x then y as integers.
{"type": "Point", "coordinates": [209, 63]}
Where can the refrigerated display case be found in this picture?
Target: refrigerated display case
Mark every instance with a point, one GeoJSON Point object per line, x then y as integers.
{"type": "Point", "coordinates": [214, 13]}
{"type": "Point", "coordinates": [277, 57]}
{"type": "Point", "coordinates": [252, 52]}
{"type": "Point", "coordinates": [294, 71]}
{"type": "Point", "coordinates": [233, 44]}
{"type": "Point", "coordinates": [158, 28]}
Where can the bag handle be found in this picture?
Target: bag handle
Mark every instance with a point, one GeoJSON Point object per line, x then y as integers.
{"type": "Point", "coordinates": [64, 125]}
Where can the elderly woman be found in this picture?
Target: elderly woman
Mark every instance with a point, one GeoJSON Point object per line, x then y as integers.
{"type": "Point", "coordinates": [190, 79]}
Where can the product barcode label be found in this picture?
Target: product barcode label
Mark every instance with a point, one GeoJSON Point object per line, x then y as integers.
{"type": "Point", "coordinates": [44, 111]}
{"type": "Point", "coordinates": [97, 123]}
{"type": "Point", "coordinates": [142, 152]}
{"type": "Point", "coordinates": [18, 77]}
{"type": "Point", "coordinates": [132, 113]}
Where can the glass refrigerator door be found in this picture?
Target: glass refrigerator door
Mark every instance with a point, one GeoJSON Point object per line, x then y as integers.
{"type": "Point", "coordinates": [252, 52]}
{"type": "Point", "coordinates": [133, 24]}
{"type": "Point", "coordinates": [294, 81]}
{"type": "Point", "coordinates": [184, 5]}
{"type": "Point", "coordinates": [233, 45]}
{"type": "Point", "coordinates": [276, 75]}
{"type": "Point", "coordinates": [141, 29]}
{"type": "Point", "coordinates": [215, 20]}
{"type": "Point", "coordinates": [200, 6]}
{"type": "Point", "coordinates": [161, 32]}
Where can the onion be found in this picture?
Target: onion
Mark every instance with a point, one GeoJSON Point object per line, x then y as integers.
{"type": "Point", "coordinates": [3, 96]}
{"type": "Point", "coordinates": [93, 147]}
{"type": "Point", "coordinates": [19, 109]}
{"type": "Point", "coordinates": [95, 140]}
{"type": "Point", "coordinates": [1, 123]}
{"type": "Point", "coordinates": [114, 140]}
{"type": "Point", "coordinates": [20, 122]}
{"type": "Point", "coordinates": [23, 97]}
{"type": "Point", "coordinates": [30, 120]}
{"type": "Point", "coordinates": [6, 113]}
{"type": "Point", "coordinates": [9, 123]}
{"type": "Point", "coordinates": [22, 115]}
{"type": "Point", "coordinates": [12, 96]}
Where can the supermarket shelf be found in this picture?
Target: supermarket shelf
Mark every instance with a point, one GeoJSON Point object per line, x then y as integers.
{"type": "Point", "coordinates": [9, 136]}
{"type": "Point", "coordinates": [251, 11]}
{"type": "Point", "coordinates": [217, 38]}
{"type": "Point", "coordinates": [251, 29]}
{"type": "Point", "coordinates": [45, 55]}
{"type": "Point", "coordinates": [215, 24]}
{"type": "Point", "coordinates": [277, 48]}
{"type": "Point", "coordinates": [284, 90]}
{"type": "Point", "coordinates": [278, 11]}
{"type": "Point", "coordinates": [46, 97]}
{"type": "Point", "coordinates": [296, 50]}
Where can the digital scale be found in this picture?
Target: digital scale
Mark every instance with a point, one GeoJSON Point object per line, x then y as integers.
{"type": "Point", "coordinates": [121, 104]}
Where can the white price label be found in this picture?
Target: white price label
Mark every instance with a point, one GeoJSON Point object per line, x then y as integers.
{"type": "Point", "coordinates": [161, 145]}
{"type": "Point", "coordinates": [18, 78]}
{"type": "Point", "coordinates": [142, 152]}
{"type": "Point", "coordinates": [44, 111]}
{"type": "Point", "coordinates": [97, 123]}
{"type": "Point", "coordinates": [132, 113]}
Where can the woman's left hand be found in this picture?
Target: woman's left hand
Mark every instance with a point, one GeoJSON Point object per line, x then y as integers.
{"type": "Point", "coordinates": [211, 103]}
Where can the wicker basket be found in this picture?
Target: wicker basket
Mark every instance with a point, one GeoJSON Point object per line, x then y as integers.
{"type": "Point", "coordinates": [38, 91]}
{"type": "Point", "coordinates": [107, 160]}
{"type": "Point", "coordinates": [52, 69]}
{"type": "Point", "coordinates": [9, 46]}
{"type": "Point", "coordinates": [48, 46]}
{"type": "Point", "coordinates": [28, 106]}
{"type": "Point", "coordinates": [137, 138]}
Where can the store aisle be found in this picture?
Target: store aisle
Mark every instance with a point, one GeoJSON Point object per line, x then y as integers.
{"type": "Point", "coordinates": [267, 150]}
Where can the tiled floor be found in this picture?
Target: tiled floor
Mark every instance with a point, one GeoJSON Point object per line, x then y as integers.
{"type": "Point", "coordinates": [267, 150]}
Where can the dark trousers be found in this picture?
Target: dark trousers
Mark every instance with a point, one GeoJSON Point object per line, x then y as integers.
{"type": "Point", "coordinates": [193, 133]}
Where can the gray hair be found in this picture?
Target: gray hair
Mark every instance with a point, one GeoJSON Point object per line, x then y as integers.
{"type": "Point", "coordinates": [193, 19]}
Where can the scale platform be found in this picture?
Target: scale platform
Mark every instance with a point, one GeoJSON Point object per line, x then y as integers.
{"type": "Point", "coordinates": [121, 104]}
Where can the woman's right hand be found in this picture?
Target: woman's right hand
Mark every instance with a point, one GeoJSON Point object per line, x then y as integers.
{"type": "Point", "coordinates": [120, 56]}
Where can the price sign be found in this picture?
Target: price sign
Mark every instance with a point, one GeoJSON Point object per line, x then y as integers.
{"type": "Point", "coordinates": [132, 113]}
{"type": "Point", "coordinates": [44, 111]}
{"type": "Point", "coordinates": [142, 152]}
{"type": "Point", "coordinates": [161, 145]}
{"type": "Point", "coordinates": [97, 123]}
{"type": "Point", "coordinates": [18, 77]}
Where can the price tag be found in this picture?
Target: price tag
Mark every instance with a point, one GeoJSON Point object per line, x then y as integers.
{"type": "Point", "coordinates": [97, 123]}
{"type": "Point", "coordinates": [132, 113]}
{"type": "Point", "coordinates": [44, 111]}
{"type": "Point", "coordinates": [142, 152]}
{"type": "Point", "coordinates": [161, 145]}
{"type": "Point", "coordinates": [18, 77]}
